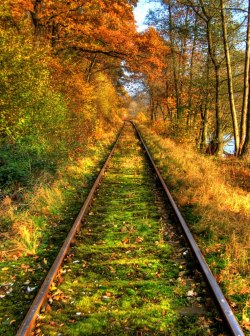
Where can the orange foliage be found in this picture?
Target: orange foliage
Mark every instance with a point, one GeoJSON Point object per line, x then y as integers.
{"type": "Point", "coordinates": [102, 27]}
{"type": "Point", "coordinates": [97, 25]}
{"type": "Point", "coordinates": [152, 53]}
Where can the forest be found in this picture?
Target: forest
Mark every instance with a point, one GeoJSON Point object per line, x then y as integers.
{"type": "Point", "coordinates": [72, 71]}
{"type": "Point", "coordinates": [192, 67]}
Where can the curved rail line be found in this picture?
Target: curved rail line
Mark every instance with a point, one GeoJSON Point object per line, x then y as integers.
{"type": "Point", "coordinates": [229, 318]}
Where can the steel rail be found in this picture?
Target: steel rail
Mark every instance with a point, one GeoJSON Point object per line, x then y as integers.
{"type": "Point", "coordinates": [220, 299]}
{"type": "Point", "coordinates": [31, 316]}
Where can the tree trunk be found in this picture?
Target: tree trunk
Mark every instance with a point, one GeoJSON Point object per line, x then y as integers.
{"type": "Point", "coordinates": [181, 59]}
{"type": "Point", "coordinates": [54, 34]}
{"type": "Point", "coordinates": [244, 125]}
{"type": "Point", "coordinates": [190, 96]}
{"type": "Point", "coordinates": [246, 147]}
{"type": "Point", "coordinates": [152, 110]}
{"type": "Point", "coordinates": [204, 116]}
{"type": "Point", "coordinates": [203, 144]}
{"type": "Point", "coordinates": [230, 79]}
{"type": "Point", "coordinates": [218, 131]}
{"type": "Point", "coordinates": [173, 59]}
{"type": "Point", "coordinates": [90, 68]}
{"type": "Point", "coordinates": [35, 18]}
{"type": "Point", "coordinates": [204, 14]}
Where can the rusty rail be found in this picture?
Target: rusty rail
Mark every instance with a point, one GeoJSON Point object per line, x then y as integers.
{"type": "Point", "coordinates": [220, 299]}
{"type": "Point", "coordinates": [30, 318]}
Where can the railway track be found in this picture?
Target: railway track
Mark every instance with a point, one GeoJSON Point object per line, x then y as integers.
{"type": "Point", "coordinates": [133, 267]}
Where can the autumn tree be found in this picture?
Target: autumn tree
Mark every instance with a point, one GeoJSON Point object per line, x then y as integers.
{"type": "Point", "coordinates": [181, 90]}
{"type": "Point", "coordinates": [204, 69]}
{"type": "Point", "coordinates": [61, 72]}
{"type": "Point", "coordinates": [60, 64]}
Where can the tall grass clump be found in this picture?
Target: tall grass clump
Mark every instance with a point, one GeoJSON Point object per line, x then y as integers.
{"type": "Point", "coordinates": [27, 235]}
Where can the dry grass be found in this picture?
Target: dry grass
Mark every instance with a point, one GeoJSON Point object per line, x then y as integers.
{"type": "Point", "coordinates": [49, 200]}
{"type": "Point", "coordinates": [45, 205]}
{"type": "Point", "coordinates": [217, 210]}
{"type": "Point", "coordinates": [237, 172]}
{"type": "Point", "coordinates": [27, 233]}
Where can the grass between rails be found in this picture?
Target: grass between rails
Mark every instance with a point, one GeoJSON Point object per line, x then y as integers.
{"type": "Point", "coordinates": [121, 277]}
{"type": "Point", "coordinates": [217, 210]}
{"type": "Point", "coordinates": [32, 233]}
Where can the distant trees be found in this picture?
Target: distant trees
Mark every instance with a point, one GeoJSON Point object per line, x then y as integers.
{"type": "Point", "coordinates": [206, 82]}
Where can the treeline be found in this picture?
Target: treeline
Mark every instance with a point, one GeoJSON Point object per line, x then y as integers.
{"type": "Point", "coordinates": [51, 104]}
{"type": "Point", "coordinates": [61, 66]}
{"type": "Point", "coordinates": [204, 92]}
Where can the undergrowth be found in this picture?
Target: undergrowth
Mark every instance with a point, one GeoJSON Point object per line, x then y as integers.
{"type": "Point", "coordinates": [33, 230]}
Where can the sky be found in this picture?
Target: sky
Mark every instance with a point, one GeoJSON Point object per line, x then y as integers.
{"type": "Point", "coordinates": [141, 11]}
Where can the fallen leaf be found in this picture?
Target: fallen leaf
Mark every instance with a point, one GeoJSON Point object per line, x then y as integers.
{"type": "Point", "coordinates": [53, 324]}
{"type": "Point", "coordinates": [48, 307]}
{"type": "Point", "coordinates": [125, 241]}
{"type": "Point", "coordinates": [112, 270]}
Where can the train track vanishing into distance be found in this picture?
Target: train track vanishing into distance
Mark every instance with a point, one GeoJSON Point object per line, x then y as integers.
{"type": "Point", "coordinates": [130, 265]}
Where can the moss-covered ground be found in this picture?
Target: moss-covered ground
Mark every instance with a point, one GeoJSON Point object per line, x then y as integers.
{"type": "Point", "coordinates": [125, 274]}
